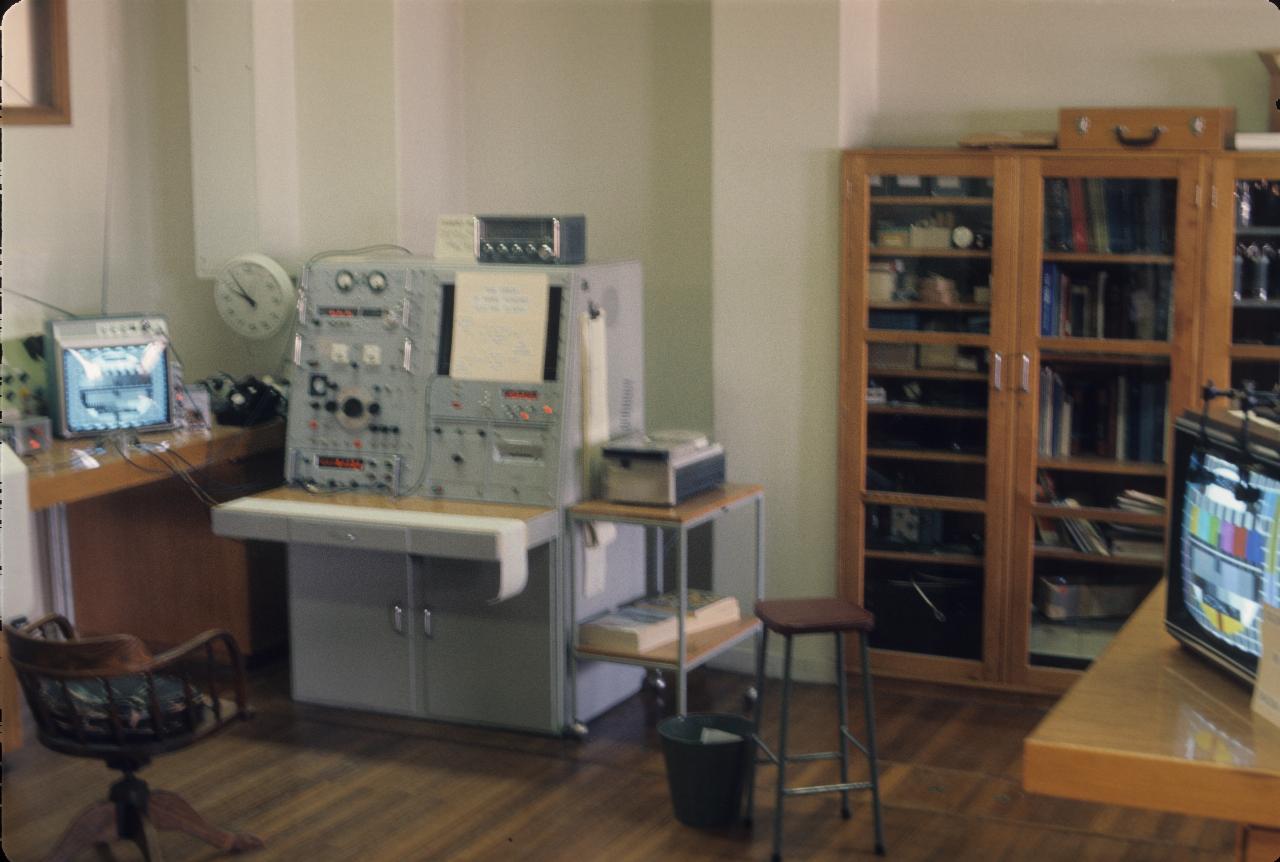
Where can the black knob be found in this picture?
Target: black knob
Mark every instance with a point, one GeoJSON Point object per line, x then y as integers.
{"type": "Point", "coordinates": [395, 429]}
{"type": "Point", "coordinates": [331, 406]}
{"type": "Point", "coordinates": [315, 405]}
{"type": "Point", "coordinates": [457, 459]}
{"type": "Point", "coordinates": [375, 408]}
{"type": "Point", "coordinates": [353, 407]}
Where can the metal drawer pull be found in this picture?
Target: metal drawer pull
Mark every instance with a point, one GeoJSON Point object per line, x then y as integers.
{"type": "Point", "coordinates": [997, 371]}
{"type": "Point", "coordinates": [1124, 139]}
{"type": "Point", "coordinates": [397, 618]}
{"type": "Point", "coordinates": [1024, 380]}
{"type": "Point", "coordinates": [426, 622]}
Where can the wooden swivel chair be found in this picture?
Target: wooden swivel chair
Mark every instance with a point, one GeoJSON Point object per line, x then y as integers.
{"type": "Point", "coordinates": [109, 698]}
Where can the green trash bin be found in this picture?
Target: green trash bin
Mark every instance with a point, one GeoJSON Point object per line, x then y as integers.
{"type": "Point", "coordinates": [710, 758]}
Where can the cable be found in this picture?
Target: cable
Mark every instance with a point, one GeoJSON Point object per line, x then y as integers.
{"type": "Point", "coordinates": [356, 252]}
{"type": "Point", "coordinates": [50, 305]}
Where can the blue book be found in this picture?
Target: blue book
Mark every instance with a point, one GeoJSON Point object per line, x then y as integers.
{"type": "Point", "coordinates": [1118, 195]}
{"type": "Point", "coordinates": [1048, 287]}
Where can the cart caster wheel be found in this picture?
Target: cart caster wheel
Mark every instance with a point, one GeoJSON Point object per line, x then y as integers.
{"type": "Point", "coordinates": [750, 697]}
{"type": "Point", "coordinates": [879, 849]}
{"type": "Point", "coordinates": [577, 731]}
{"type": "Point", "coordinates": [656, 682]}
{"type": "Point", "coordinates": [846, 813]}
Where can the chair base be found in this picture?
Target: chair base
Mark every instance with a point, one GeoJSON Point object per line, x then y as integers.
{"type": "Point", "coordinates": [135, 813]}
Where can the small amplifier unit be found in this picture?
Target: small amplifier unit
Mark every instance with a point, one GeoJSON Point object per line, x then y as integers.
{"type": "Point", "coordinates": [531, 239]}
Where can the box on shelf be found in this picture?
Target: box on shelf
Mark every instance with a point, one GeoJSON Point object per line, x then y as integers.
{"type": "Point", "coordinates": [938, 355]}
{"type": "Point", "coordinates": [661, 469]}
{"type": "Point", "coordinates": [891, 355]}
{"type": "Point", "coordinates": [1146, 128]}
{"type": "Point", "coordinates": [882, 281]}
{"type": "Point", "coordinates": [930, 236]}
{"type": "Point", "coordinates": [628, 629]}
{"type": "Point", "coordinates": [893, 237]}
{"type": "Point", "coordinates": [703, 610]}
{"type": "Point", "coordinates": [1069, 597]}
{"type": "Point", "coordinates": [937, 289]}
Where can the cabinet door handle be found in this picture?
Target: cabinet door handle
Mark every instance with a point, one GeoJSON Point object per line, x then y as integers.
{"type": "Point", "coordinates": [997, 371]}
{"type": "Point", "coordinates": [426, 623]}
{"type": "Point", "coordinates": [397, 618]}
{"type": "Point", "coordinates": [1024, 378]}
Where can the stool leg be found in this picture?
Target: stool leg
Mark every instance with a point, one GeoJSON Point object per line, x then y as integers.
{"type": "Point", "coordinates": [782, 751]}
{"type": "Point", "coordinates": [842, 692]}
{"type": "Point", "coordinates": [762, 651]}
{"type": "Point", "coordinates": [871, 742]}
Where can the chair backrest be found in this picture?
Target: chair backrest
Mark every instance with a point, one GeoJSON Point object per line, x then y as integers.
{"type": "Point", "coordinates": [109, 696]}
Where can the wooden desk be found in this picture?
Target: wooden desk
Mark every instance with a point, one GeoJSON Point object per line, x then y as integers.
{"type": "Point", "coordinates": [1153, 726]}
{"type": "Point", "coordinates": [135, 544]}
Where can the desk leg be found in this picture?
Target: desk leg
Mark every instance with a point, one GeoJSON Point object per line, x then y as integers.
{"type": "Point", "coordinates": [56, 560]}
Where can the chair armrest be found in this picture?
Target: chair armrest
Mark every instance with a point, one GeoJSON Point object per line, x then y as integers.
{"type": "Point", "coordinates": [57, 620]}
{"type": "Point", "coordinates": [205, 642]}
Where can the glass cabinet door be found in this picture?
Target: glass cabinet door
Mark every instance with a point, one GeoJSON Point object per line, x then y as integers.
{"type": "Point", "coordinates": [927, 309]}
{"type": "Point", "coordinates": [1241, 343]}
{"type": "Point", "coordinates": [1103, 364]}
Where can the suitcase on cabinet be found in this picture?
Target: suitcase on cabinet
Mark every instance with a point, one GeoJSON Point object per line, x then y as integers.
{"type": "Point", "coordinates": [1160, 129]}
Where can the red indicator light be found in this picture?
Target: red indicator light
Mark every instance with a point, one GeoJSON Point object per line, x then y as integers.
{"type": "Point", "coordinates": [546, 408]}
{"type": "Point", "coordinates": [457, 405]}
{"type": "Point", "coordinates": [35, 444]}
{"type": "Point", "coordinates": [524, 415]}
{"type": "Point", "coordinates": [357, 444]}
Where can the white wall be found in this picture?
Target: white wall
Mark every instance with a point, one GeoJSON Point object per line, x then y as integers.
{"type": "Point", "coordinates": [950, 68]}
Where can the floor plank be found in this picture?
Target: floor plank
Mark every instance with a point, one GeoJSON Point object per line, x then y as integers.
{"type": "Point", "coordinates": [325, 784]}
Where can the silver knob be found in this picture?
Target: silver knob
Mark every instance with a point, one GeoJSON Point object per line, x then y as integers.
{"type": "Point", "coordinates": [344, 280]}
{"type": "Point", "coordinates": [546, 253]}
{"type": "Point", "coordinates": [377, 282]}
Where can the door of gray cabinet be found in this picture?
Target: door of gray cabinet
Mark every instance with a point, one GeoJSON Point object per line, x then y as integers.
{"type": "Point", "coordinates": [349, 644]}
{"type": "Point", "coordinates": [489, 663]}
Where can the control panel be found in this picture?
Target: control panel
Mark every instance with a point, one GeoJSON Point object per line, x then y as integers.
{"type": "Point", "coordinates": [495, 441]}
{"type": "Point", "coordinates": [364, 347]}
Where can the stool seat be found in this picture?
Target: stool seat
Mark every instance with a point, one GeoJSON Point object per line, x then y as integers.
{"type": "Point", "coordinates": [813, 616]}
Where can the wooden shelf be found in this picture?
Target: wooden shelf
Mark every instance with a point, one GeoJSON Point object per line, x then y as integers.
{"type": "Point", "coordinates": [698, 647]}
{"type": "Point", "coordinates": [944, 412]}
{"type": "Point", "coordinates": [925, 557]}
{"type": "Point", "coordinates": [1097, 513]}
{"type": "Point", "coordinates": [924, 501]}
{"type": "Point", "coordinates": [1266, 352]}
{"type": "Point", "coordinates": [1086, 464]}
{"type": "Point", "coordinates": [1091, 257]}
{"type": "Point", "coordinates": [1047, 553]}
{"type": "Point", "coordinates": [927, 455]}
{"type": "Point", "coordinates": [1116, 347]}
{"type": "Point", "coordinates": [1264, 304]}
{"type": "Point", "coordinates": [919, 336]}
{"type": "Point", "coordinates": [928, 374]}
{"type": "Point", "coordinates": [928, 201]}
{"type": "Point", "coordinates": [905, 251]}
{"type": "Point", "coordinates": [930, 306]}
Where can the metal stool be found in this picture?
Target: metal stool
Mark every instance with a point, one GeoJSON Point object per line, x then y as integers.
{"type": "Point", "coordinates": [790, 617]}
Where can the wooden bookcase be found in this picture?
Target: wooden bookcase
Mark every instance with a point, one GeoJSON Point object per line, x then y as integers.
{"type": "Point", "coordinates": [954, 411]}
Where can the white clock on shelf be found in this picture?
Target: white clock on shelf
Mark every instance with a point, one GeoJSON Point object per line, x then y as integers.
{"type": "Point", "coordinates": [254, 295]}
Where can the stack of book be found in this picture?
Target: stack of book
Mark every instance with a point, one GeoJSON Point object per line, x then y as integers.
{"type": "Point", "coordinates": [653, 622]}
{"type": "Point", "coordinates": [1121, 417]}
{"type": "Point", "coordinates": [1136, 540]}
{"type": "Point", "coordinates": [1106, 539]}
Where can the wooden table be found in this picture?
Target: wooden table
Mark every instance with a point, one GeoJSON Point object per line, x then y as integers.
{"type": "Point", "coordinates": [129, 544]}
{"type": "Point", "coordinates": [1153, 726]}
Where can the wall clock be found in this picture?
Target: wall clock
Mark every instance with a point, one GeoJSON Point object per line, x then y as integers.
{"type": "Point", "coordinates": [254, 295]}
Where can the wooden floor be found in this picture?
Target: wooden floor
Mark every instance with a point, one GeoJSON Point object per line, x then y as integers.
{"type": "Point", "coordinates": [321, 784]}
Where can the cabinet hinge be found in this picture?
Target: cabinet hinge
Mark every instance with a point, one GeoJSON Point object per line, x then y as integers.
{"type": "Point", "coordinates": [1213, 197]}
{"type": "Point", "coordinates": [1198, 191]}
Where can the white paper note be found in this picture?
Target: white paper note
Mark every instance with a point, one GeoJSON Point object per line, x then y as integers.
{"type": "Point", "coordinates": [499, 326]}
{"type": "Point", "coordinates": [456, 238]}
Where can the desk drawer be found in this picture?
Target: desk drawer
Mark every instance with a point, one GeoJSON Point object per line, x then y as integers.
{"type": "Point", "coordinates": [373, 537]}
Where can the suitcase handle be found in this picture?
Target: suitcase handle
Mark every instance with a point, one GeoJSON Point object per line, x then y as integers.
{"type": "Point", "coordinates": [1125, 140]}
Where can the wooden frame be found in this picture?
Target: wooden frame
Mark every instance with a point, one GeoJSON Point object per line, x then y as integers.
{"type": "Point", "coordinates": [49, 46]}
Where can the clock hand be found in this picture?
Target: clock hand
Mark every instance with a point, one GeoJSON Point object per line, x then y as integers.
{"type": "Point", "coordinates": [244, 293]}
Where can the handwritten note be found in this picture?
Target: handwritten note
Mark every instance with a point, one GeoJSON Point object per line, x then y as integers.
{"type": "Point", "coordinates": [455, 238]}
{"type": "Point", "coordinates": [1266, 690]}
{"type": "Point", "coordinates": [500, 326]}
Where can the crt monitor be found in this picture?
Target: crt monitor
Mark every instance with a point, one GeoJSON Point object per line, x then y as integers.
{"type": "Point", "coordinates": [109, 374]}
{"type": "Point", "coordinates": [1222, 556]}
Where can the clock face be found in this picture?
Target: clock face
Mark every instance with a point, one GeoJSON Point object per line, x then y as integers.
{"type": "Point", "coordinates": [254, 296]}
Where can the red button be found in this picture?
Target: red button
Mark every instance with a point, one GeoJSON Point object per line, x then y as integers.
{"type": "Point", "coordinates": [313, 424]}
{"type": "Point", "coordinates": [457, 405]}
{"type": "Point", "coordinates": [546, 408]}
{"type": "Point", "coordinates": [524, 414]}
{"type": "Point", "coordinates": [357, 444]}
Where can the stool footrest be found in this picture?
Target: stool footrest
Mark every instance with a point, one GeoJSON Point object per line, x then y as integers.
{"type": "Point", "coordinates": [816, 755]}
{"type": "Point", "coordinates": [826, 788]}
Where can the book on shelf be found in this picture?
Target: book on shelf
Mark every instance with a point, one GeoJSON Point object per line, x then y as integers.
{"type": "Point", "coordinates": [1147, 549]}
{"type": "Point", "coordinates": [1079, 228]}
{"type": "Point", "coordinates": [628, 629]}
{"type": "Point", "coordinates": [1136, 501]}
{"type": "Point", "coordinates": [704, 610]}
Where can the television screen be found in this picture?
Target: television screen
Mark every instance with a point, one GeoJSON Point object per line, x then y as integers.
{"type": "Point", "coordinates": [1222, 557]}
{"type": "Point", "coordinates": [114, 387]}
